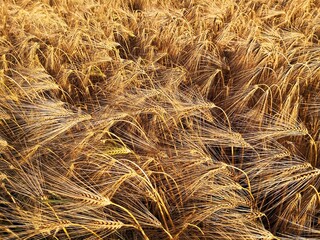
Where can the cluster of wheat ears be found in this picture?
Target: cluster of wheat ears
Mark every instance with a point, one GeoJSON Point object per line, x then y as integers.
{"type": "Point", "coordinates": [151, 119]}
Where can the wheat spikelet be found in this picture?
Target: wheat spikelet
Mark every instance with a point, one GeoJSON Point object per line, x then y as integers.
{"type": "Point", "coordinates": [48, 228]}
{"type": "Point", "coordinates": [299, 167]}
{"type": "Point", "coordinates": [307, 175]}
{"type": "Point", "coordinates": [95, 200]}
{"type": "Point", "coordinates": [110, 225]}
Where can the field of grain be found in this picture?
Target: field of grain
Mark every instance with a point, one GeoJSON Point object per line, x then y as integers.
{"type": "Point", "coordinates": [160, 120]}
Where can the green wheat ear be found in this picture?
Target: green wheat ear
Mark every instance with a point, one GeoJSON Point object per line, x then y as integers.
{"type": "Point", "coordinates": [117, 151]}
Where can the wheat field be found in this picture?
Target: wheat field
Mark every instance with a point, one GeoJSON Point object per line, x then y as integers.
{"type": "Point", "coordinates": [154, 119]}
